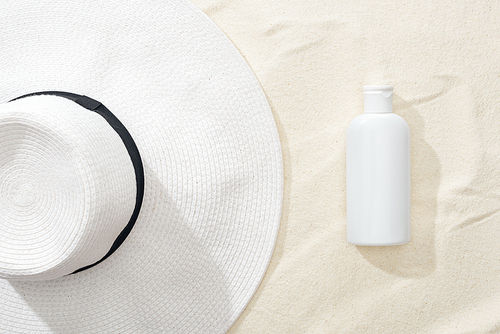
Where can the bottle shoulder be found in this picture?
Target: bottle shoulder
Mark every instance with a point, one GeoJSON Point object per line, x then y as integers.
{"type": "Point", "coordinates": [383, 121]}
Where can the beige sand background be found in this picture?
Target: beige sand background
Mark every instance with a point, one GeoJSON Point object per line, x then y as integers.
{"type": "Point", "coordinates": [312, 59]}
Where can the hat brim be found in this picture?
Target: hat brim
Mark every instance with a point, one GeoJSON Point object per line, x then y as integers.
{"type": "Point", "coordinates": [211, 153]}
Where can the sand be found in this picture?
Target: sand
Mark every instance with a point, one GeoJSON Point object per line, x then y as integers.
{"type": "Point", "coordinates": [312, 59]}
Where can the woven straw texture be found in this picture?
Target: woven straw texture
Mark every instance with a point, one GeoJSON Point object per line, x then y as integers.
{"type": "Point", "coordinates": [211, 154]}
{"type": "Point", "coordinates": [68, 188]}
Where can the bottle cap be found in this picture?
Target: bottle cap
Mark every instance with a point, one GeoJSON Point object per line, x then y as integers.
{"type": "Point", "coordinates": [378, 98]}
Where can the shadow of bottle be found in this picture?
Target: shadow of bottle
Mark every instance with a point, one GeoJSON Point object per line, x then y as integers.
{"type": "Point", "coordinates": [417, 258]}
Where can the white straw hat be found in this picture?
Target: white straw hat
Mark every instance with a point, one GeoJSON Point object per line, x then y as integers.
{"type": "Point", "coordinates": [114, 109]}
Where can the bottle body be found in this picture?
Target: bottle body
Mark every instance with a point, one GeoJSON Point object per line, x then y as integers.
{"type": "Point", "coordinates": [378, 180]}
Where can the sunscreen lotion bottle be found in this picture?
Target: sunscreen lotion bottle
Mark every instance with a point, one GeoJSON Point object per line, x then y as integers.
{"type": "Point", "coordinates": [378, 173]}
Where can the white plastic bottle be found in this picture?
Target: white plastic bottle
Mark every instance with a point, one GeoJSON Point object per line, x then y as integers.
{"type": "Point", "coordinates": [378, 173]}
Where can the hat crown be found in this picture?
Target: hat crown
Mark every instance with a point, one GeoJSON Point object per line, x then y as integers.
{"type": "Point", "coordinates": [67, 187]}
